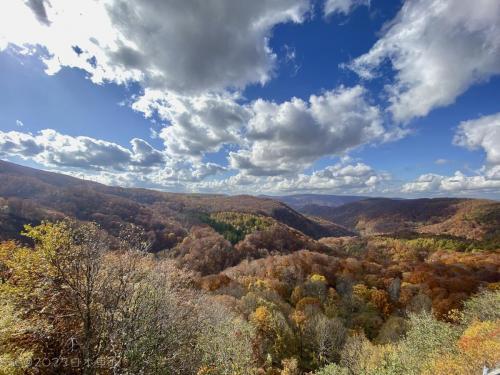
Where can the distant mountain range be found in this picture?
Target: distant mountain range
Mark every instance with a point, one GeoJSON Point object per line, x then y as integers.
{"type": "Point", "coordinates": [298, 201]}
{"type": "Point", "coordinates": [29, 195]}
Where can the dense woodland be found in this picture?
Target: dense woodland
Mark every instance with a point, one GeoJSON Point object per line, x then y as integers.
{"type": "Point", "coordinates": [102, 280]}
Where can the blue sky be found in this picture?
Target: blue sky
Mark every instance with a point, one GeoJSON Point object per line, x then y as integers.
{"type": "Point", "coordinates": [366, 97]}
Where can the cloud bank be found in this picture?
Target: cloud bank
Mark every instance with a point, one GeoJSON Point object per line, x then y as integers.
{"type": "Point", "coordinates": [481, 133]}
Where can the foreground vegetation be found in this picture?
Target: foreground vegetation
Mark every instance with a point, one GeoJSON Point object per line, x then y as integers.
{"type": "Point", "coordinates": [80, 301]}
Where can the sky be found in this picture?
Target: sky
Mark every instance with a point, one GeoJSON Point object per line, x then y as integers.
{"type": "Point", "coordinates": [380, 98]}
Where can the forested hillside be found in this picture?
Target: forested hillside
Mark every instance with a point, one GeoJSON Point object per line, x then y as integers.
{"type": "Point", "coordinates": [472, 219]}
{"type": "Point", "coordinates": [28, 196]}
{"type": "Point", "coordinates": [109, 280]}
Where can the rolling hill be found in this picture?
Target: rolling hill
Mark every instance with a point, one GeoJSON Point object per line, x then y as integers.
{"type": "Point", "coordinates": [28, 195]}
{"type": "Point", "coordinates": [475, 219]}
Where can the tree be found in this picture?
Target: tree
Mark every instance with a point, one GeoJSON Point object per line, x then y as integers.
{"type": "Point", "coordinates": [323, 339]}
{"type": "Point", "coordinates": [14, 360]}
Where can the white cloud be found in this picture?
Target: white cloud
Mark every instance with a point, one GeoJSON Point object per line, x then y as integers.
{"type": "Point", "coordinates": [438, 49]}
{"type": "Point", "coordinates": [191, 58]}
{"type": "Point", "coordinates": [194, 45]}
{"type": "Point", "coordinates": [198, 124]}
{"type": "Point", "coordinates": [343, 6]}
{"type": "Point", "coordinates": [287, 137]}
{"type": "Point", "coordinates": [188, 46]}
{"type": "Point", "coordinates": [143, 166]}
{"type": "Point", "coordinates": [68, 36]}
{"type": "Point", "coordinates": [354, 178]}
{"type": "Point", "coordinates": [19, 123]}
{"type": "Point", "coordinates": [20, 144]}
{"type": "Point", "coordinates": [340, 178]}
{"type": "Point", "coordinates": [51, 148]}
{"type": "Point", "coordinates": [484, 133]}
{"type": "Point", "coordinates": [441, 161]}
{"type": "Point", "coordinates": [140, 165]}
{"type": "Point", "coordinates": [272, 138]}
{"type": "Point", "coordinates": [458, 183]}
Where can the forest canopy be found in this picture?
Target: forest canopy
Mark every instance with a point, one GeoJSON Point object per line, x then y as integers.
{"type": "Point", "coordinates": [79, 301]}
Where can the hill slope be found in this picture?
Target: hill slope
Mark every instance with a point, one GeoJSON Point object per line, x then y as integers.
{"type": "Point", "coordinates": [467, 218]}
{"type": "Point", "coordinates": [28, 195]}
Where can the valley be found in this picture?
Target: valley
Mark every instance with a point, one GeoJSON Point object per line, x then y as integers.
{"type": "Point", "coordinates": [309, 283]}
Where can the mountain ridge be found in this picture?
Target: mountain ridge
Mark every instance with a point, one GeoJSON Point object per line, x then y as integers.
{"type": "Point", "coordinates": [476, 219]}
{"type": "Point", "coordinates": [31, 195]}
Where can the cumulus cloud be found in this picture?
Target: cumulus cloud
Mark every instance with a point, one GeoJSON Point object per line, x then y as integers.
{"type": "Point", "coordinates": [51, 148]}
{"type": "Point", "coordinates": [141, 165]}
{"type": "Point", "coordinates": [287, 137]}
{"type": "Point", "coordinates": [458, 183]}
{"type": "Point", "coordinates": [358, 178]}
{"type": "Point", "coordinates": [342, 177]}
{"type": "Point", "coordinates": [198, 124]}
{"type": "Point", "coordinates": [481, 133]}
{"type": "Point", "coordinates": [272, 138]}
{"type": "Point", "coordinates": [192, 58]}
{"type": "Point", "coordinates": [188, 46]}
{"type": "Point", "coordinates": [484, 133]}
{"type": "Point", "coordinates": [194, 45]}
{"type": "Point", "coordinates": [342, 6]}
{"type": "Point", "coordinates": [20, 144]}
{"type": "Point", "coordinates": [438, 49]}
{"type": "Point", "coordinates": [145, 154]}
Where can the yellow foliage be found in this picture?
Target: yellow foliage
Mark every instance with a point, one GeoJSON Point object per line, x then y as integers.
{"type": "Point", "coordinates": [479, 345]}
{"type": "Point", "coordinates": [261, 317]}
{"type": "Point", "coordinates": [361, 291]}
{"type": "Point", "coordinates": [24, 269]}
{"type": "Point", "coordinates": [317, 278]}
{"type": "Point", "coordinates": [206, 370]}
{"type": "Point", "coordinates": [380, 299]}
{"type": "Point", "coordinates": [494, 286]}
{"type": "Point", "coordinates": [448, 364]}
{"type": "Point", "coordinates": [13, 360]}
{"type": "Point", "coordinates": [261, 284]}
{"type": "Point", "coordinates": [481, 342]}
{"type": "Point", "coordinates": [378, 354]}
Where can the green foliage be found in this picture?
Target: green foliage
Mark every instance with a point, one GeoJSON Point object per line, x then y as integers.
{"type": "Point", "coordinates": [427, 243]}
{"type": "Point", "coordinates": [234, 226]}
{"type": "Point", "coordinates": [483, 306]}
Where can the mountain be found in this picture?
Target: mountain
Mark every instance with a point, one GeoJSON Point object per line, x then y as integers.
{"type": "Point", "coordinates": [28, 195]}
{"type": "Point", "coordinates": [298, 201]}
{"type": "Point", "coordinates": [475, 219]}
